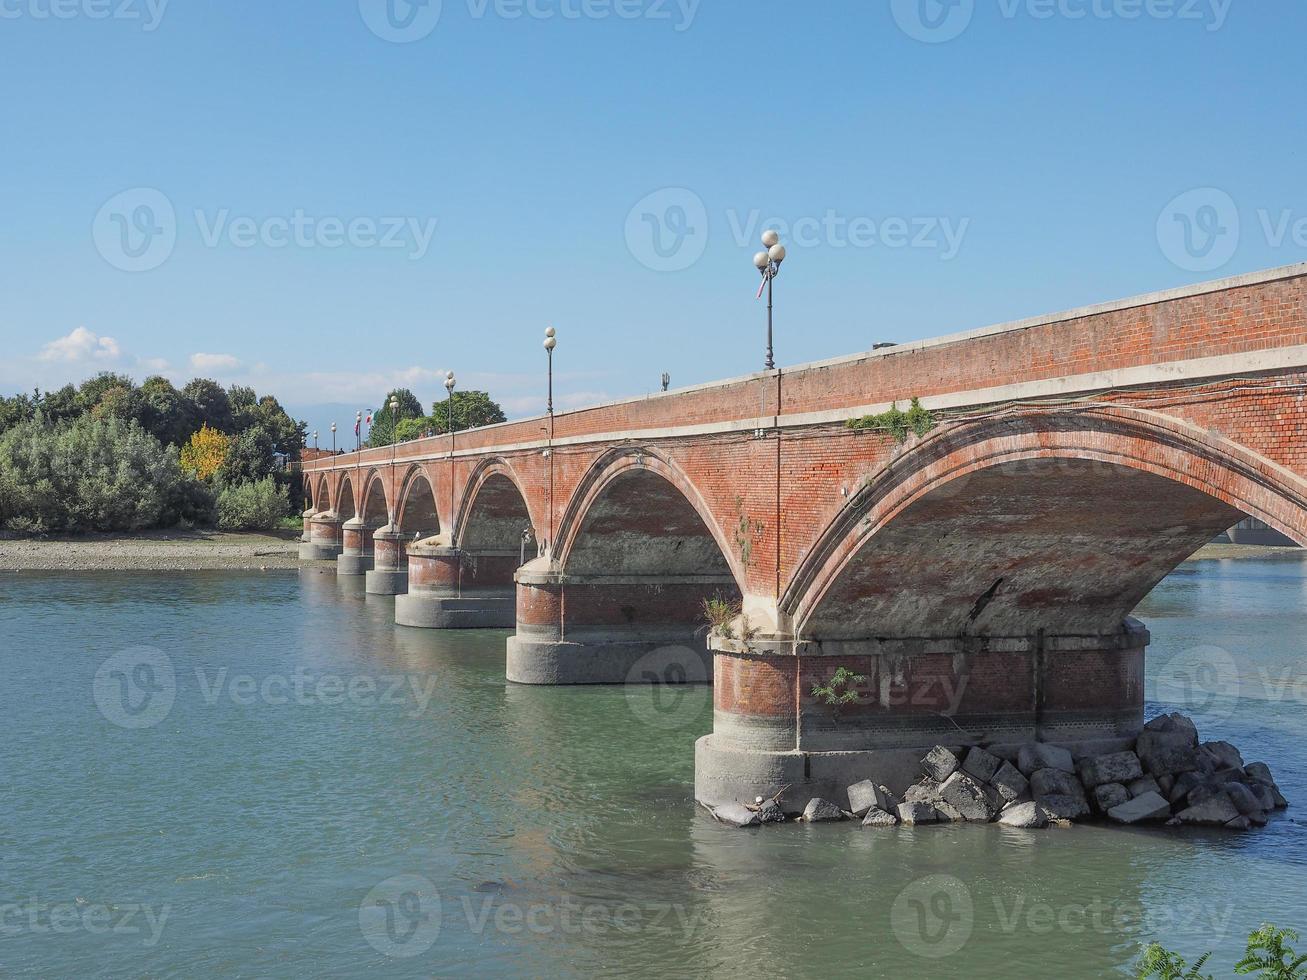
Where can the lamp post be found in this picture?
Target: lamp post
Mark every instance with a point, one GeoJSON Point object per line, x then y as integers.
{"type": "Point", "coordinates": [551, 341]}
{"type": "Point", "coordinates": [315, 440]}
{"type": "Point", "coordinates": [449, 387]}
{"type": "Point", "coordinates": [333, 438]}
{"type": "Point", "coordinates": [394, 442]}
{"type": "Point", "coordinates": [769, 264]}
{"type": "Point", "coordinates": [361, 508]}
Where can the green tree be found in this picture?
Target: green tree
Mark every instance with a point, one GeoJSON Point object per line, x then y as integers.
{"type": "Point", "coordinates": [212, 407]}
{"type": "Point", "coordinates": [249, 457]}
{"type": "Point", "coordinates": [382, 432]}
{"type": "Point", "coordinates": [19, 408]}
{"type": "Point", "coordinates": [258, 506]}
{"type": "Point", "coordinates": [472, 409]}
{"type": "Point", "coordinates": [409, 429]}
{"type": "Point", "coordinates": [93, 389]}
{"type": "Point", "coordinates": [56, 406]}
{"type": "Point", "coordinates": [244, 404]}
{"type": "Point", "coordinates": [165, 412]}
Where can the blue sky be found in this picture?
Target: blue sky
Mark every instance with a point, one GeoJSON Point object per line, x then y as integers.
{"type": "Point", "coordinates": [461, 182]}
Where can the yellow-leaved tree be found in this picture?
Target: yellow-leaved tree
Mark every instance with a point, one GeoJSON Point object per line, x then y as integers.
{"type": "Point", "coordinates": [205, 452]}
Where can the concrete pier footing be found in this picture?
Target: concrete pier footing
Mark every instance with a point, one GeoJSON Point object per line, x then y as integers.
{"type": "Point", "coordinates": [324, 542]}
{"type": "Point", "coordinates": [356, 541]}
{"type": "Point", "coordinates": [437, 598]}
{"type": "Point", "coordinates": [389, 572]}
{"type": "Point", "coordinates": [609, 657]}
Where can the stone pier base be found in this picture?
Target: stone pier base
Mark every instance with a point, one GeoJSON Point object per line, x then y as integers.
{"type": "Point", "coordinates": [470, 611]}
{"type": "Point", "coordinates": [389, 573]}
{"type": "Point", "coordinates": [609, 657]}
{"type": "Point", "coordinates": [356, 558]}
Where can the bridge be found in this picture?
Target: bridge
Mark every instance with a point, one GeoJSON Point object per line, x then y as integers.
{"type": "Point", "coordinates": [974, 561]}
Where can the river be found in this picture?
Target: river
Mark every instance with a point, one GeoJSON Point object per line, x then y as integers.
{"type": "Point", "coordinates": [259, 775]}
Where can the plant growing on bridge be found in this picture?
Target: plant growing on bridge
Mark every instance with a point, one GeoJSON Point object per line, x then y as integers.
{"type": "Point", "coordinates": [897, 422]}
{"type": "Point", "coordinates": [839, 690]}
{"type": "Point", "coordinates": [720, 615]}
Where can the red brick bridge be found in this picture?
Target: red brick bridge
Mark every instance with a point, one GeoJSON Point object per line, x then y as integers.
{"type": "Point", "coordinates": [978, 574]}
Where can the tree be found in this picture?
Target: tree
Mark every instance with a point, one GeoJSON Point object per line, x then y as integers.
{"type": "Point", "coordinates": [56, 406]}
{"type": "Point", "coordinates": [383, 426]}
{"type": "Point", "coordinates": [205, 453]}
{"type": "Point", "coordinates": [472, 409]}
{"type": "Point", "coordinates": [211, 404]}
{"type": "Point", "coordinates": [244, 404]}
{"type": "Point", "coordinates": [93, 389]}
{"type": "Point", "coordinates": [249, 457]}
{"type": "Point", "coordinates": [18, 409]}
{"type": "Point", "coordinates": [165, 412]}
{"type": "Point", "coordinates": [409, 429]}
{"type": "Point", "coordinates": [118, 403]}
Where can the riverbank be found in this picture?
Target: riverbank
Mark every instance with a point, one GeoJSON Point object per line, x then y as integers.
{"type": "Point", "coordinates": [153, 551]}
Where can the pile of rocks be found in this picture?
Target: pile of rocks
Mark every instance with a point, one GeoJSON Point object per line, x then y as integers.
{"type": "Point", "coordinates": [1168, 776]}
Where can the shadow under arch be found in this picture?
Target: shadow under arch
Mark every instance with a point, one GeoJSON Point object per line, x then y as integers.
{"type": "Point", "coordinates": [345, 505]}
{"type": "Point", "coordinates": [322, 499]}
{"type": "Point", "coordinates": [375, 510]}
{"type": "Point", "coordinates": [416, 512]}
{"type": "Point", "coordinates": [494, 530]}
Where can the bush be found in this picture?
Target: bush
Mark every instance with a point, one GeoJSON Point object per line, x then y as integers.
{"type": "Point", "coordinates": [258, 506]}
{"type": "Point", "coordinates": [105, 474]}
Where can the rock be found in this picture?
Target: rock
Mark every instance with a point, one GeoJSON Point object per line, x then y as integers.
{"type": "Point", "coordinates": [1166, 753]}
{"type": "Point", "coordinates": [1143, 808]}
{"type": "Point", "coordinates": [736, 814]}
{"type": "Point", "coordinates": [968, 797]}
{"type": "Point", "coordinates": [1216, 811]}
{"type": "Point", "coordinates": [1184, 784]}
{"type": "Point", "coordinates": [1175, 723]}
{"type": "Point", "coordinates": [1239, 823]}
{"type": "Point", "coordinates": [1201, 794]}
{"type": "Point", "coordinates": [1009, 783]}
{"type": "Point", "coordinates": [1059, 807]}
{"type": "Point", "coordinates": [1166, 783]}
{"type": "Point", "coordinates": [1225, 755]}
{"type": "Point", "coordinates": [1024, 815]}
{"type": "Point", "coordinates": [771, 812]}
{"type": "Point", "coordinates": [915, 813]}
{"type": "Point", "coordinates": [948, 813]}
{"type": "Point", "coordinates": [819, 810]}
{"type": "Point", "coordinates": [940, 763]}
{"type": "Point", "coordinates": [1258, 818]}
{"type": "Point", "coordinates": [1055, 782]}
{"type": "Point", "coordinates": [1261, 772]}
{"type": "Point", "coordinates": [1119, 767]}
{"type": "Point", "coordinates": [1109, 795]}
{"type": "Point", "coordinates": [926, 791]}
{"type": "Point", "coordinates": [1243, 798]}
{"type": "Point", "coordinates": [867, 795]}
{"type": "Point", "coordinates": [1146, 785]}
{"type": "Point", "coordinates": [981, 765]}
{"type": "Point", "coordinates": [877, 817]}
{"type": "Point", "coordinates": [1041, 755]}
{"type": "Point", "coordinates": [1264, 794]}
{"type": "Point", "coordinates": [1280, 802]}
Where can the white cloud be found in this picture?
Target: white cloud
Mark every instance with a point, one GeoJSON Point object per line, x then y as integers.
{"type": "Point", "coordinates": [80, 345]}
{"type": "Point", "coordinates": [215, 362]}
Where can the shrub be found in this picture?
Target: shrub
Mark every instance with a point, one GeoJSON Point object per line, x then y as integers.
{"type": "Point", "coordinates": [257, 506]}
{"type": "Point", "coordinates": [205, 453]}
{"type": "Point", "coordinates": [897, 422]}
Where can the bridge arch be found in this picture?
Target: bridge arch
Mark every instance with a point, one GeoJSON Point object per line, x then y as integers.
{"type": "Point", "coordinates": [1031, 519]}
{"type": "Point", "coordinates": [416, 512]}
{"type": "Point", "coordinates": [375, 508]}
{"type": "Point", "coordinates": [636, 512]}
{"type": "Point", "coordinates": [493, 510]}
{"type": "Point", "coordinates": [345, 505]}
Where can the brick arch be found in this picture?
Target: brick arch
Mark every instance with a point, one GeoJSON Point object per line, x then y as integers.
{"type": "Point", "coordinates": [417, 511]}
{"type": "Point", "coordinates": [494, 492]}
{"type": "Point", "coordinates": [376, 507]}
{"type": "Point", "coordinates": [658, 490]}
{"type": "Point", "coordinates": [1145, 488]}
{"type": "Point", "coordinates": [346, 505]}
{"type": "Point", "coordinates": [322, 499]}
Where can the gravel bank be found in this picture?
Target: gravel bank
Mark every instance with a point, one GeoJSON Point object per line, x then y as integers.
{"type": "Point", "coordinates": [155, 551]}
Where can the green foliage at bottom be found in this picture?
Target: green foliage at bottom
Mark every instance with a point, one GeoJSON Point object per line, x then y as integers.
{"type": "Point", "coordinates": [257, 506]}
{"type": "Point", "coordinates": [1268, 956]}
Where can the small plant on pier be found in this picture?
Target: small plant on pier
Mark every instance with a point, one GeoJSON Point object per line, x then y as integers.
{"type": "Point", "coordinates": [839, 690]}
{"type": "Point", "coordinates": [720, 615]}
{"type": "Point", "coordinates": [897, 422]}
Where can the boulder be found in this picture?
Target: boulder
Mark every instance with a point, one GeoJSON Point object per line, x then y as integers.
{"type": "Point", "coordinates": [981, 765]}
{"type": "Point", "coordinates": [926, 791]}
{"type": "Point", "coordinates": [1055, 782]}
{"type": "Point", "coordinates": [1215, 811]}
{"type": "Point", "coordinates": [968, 798]}
{"type": "Point", "coordinates": [1041, 755]}
{"type": "Point", "coordinates": [1059, 807]}
{"type": "Point", "coordinates": [1109, 795]}
{"type": "Point", "coordinates": [1280, 802]}
{"type": "Point", "coordinates": [737, 815]}
{"type": "Point", "coordinates": [940, 763]}
{"type": "Point", "coordinates": [771, 812]}
{"type": "Point", "coordinates": [1119, 767]}
{"type": "Point", "coordinates": [1009, 783]}
{"type": "Point", "coordinates": [1024, 815]}
{"type": "Point", "coordinates": [1258, 818]}
{"type": "Point", "coordinates": [1264, 794]}
{"type": "Point", "coordinates": [1183, 785]}
{"type": "Point", "coordinates": [1143, 808]}
{"type": "Point", "coordinates": [1260, 771]}
{"type": "Point", "coordinates": [948, 813]}
{"type": "Point", "coordinates": [1166, 783]}
{"type": "Point", "coordinates": [1225, 755]}
{"type": "Point", "coordinates": [1173, 723]}
{"type": "Point", "coordinates": [1239, 823]}
{"type": "Point", "coordinates": [1166, 753]}
{"type": "Point", "coordinates": [1243, 798]}
{"type": "Point", "coordinates": [1146, 785]}
{"type": "Point", "coordinates": [879, 818]}
{"type": "Point", "coordinates": [866, 795]}
{"type": "Point", "coordinates": [915, 813]}
{"type": "Point", "coordinates": [819, 810]}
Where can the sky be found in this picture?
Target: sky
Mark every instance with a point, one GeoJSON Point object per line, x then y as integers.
{"type": "Point", "coordinates": [326, 199]}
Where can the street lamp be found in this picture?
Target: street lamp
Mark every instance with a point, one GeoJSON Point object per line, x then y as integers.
{"type": "Point", "coordinates": [551, 341]}
{"type": "Point", "coordinates": [449, 387]}
{"type": "Point", "coordinates": [315, 440]}
{"type": "Point", "coordinates": [333, 438]}
{"type": "Point", "coordinates": [769, 264]}
{"type": "Point", "coordinates": [358, 432]}
{"type": "Point", "coordinates": [394, 442]}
